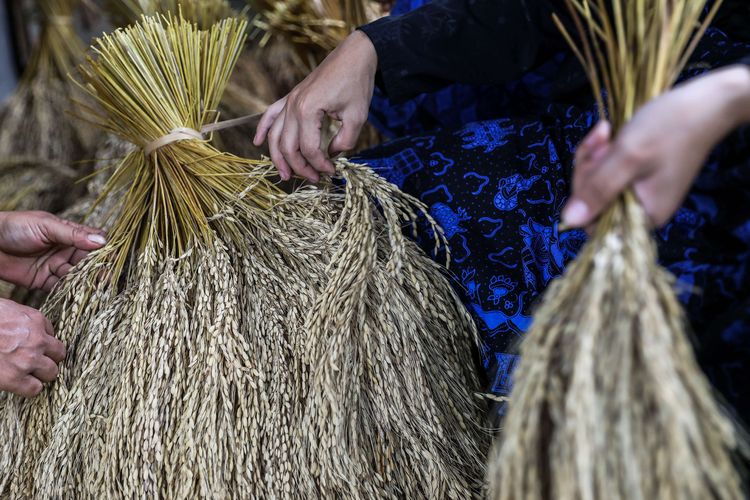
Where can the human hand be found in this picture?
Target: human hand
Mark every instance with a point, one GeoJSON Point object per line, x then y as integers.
{"type": "Point", "coordinates": [661, 150]}
{"type": "Point", "coordinates": [37, 249]}
{"type": "Point", "coordinates": [341, 87]}
{"type": "Point", "coordinates": [29, 352]}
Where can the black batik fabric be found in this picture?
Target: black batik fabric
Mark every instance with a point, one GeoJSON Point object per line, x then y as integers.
{"type": "Point", "coordinates": [497, 187]}
{"type": "Point", "coordinates": [462, 41]}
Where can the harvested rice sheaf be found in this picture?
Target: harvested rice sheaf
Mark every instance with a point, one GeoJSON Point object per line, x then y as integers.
{"type": "Point", "coordinates": [232, 341]}
{"type": "Point", "coordinates": [609, 401]}
{"type": "Point", "coordinates": [251, 89]}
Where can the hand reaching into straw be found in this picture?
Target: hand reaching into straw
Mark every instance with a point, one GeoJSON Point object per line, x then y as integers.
{"type": "Point", "coordinates": [29, 352]}
{"type": "Point", "coordinates": [37, 249]}
{"type": "Point", "coordinates": [661, 150]}
{"type": "Point", "coordinates": [341, 87]}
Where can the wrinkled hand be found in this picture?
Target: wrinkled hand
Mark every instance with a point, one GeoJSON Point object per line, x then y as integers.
{"type": "Point", "coordinates": [37, 249]}
{"type": "Point", "coordinates": [29, 353]}
{"type": "Point", "coordinates": [341, 87]}
{"type": "Point", "coordinates": [661, 150]}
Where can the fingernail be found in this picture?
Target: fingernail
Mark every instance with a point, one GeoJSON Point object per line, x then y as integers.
{"type": "Point", "coordinates": [575, 214]}
{"type": "Point", "coordinates": [98, 239]}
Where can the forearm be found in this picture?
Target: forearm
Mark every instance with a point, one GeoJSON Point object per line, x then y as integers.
{"type": "Point", "coordinates": [740, 89]}
{"type": "Point", "coordinates": [460, 41]}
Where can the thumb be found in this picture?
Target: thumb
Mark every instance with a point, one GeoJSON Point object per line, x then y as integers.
{"type": "Point", "coordinates": [346, 138]}
{"type": "Point", "coordinates": [64, 232]}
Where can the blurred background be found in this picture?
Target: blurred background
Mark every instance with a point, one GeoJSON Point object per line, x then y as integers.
{"type": "Point", "coordinates": [8, 65]}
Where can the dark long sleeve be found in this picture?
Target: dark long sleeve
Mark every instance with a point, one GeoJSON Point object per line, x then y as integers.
{"type": "Point", "coordinates": [461, 41]}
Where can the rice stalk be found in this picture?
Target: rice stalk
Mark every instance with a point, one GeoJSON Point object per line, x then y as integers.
{"type": "Point", "coordinates": [232, 341]}
{"type": "Point", "coordinates": [609, 401]}
{"type": "Point", "coordinates": [250, 90]}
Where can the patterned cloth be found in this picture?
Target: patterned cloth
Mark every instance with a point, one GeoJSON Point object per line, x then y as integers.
{"type": "Point", "coordinates": [497, 188]}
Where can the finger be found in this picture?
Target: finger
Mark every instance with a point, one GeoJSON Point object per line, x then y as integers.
{"type": "Point", "coordinates": [598, 136]}
{"type": "Point", "coordinates": [63, 269]}
{"type": "Point", "coordinates": [50, 283]}
{"type": "Point", "coordinates": [274, 137]}
{"type": "Point", "coordinates": [346, 138]}
{"type": "Point", "coordinates": [310, 137]}
{"type": "Point", "coordinates": [28, 387]}
{"type": "Point", "coordinates": [595, 192]}
{"type": "Point", "coordinates": [658, 206]}
{"type": "Point", "coordinates": [46, 370]}
{"type": "Point", "coordinates": [267, 121]}
{"type": "Point", "coordinates": [48, 328]}
{"type": "Point", "coordinates": [59, 261]}
{"type": "Point", "coordinates": [78, 256]}
{"type": "Point", "coordinates": [54, 349]}
{"type": "Point", "coordinates": [290, 148]}
{"type": "Point", "coordinates": [592, 162]}
{"type": "Point", "coordinates": [47, 266]}
{"type": "Point", "coordinates": [63, 232]}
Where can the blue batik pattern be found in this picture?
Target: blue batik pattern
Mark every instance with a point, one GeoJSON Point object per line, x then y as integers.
{"type": "Point", "coordinates": [497, 188]}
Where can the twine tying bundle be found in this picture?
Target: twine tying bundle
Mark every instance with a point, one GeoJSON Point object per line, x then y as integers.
{"type": "Point", "coordinates": [186, 133]}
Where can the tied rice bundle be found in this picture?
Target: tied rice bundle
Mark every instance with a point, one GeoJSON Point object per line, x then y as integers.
{"type": "Point", "coordinates": [39, 141]}
{"type": "Point", "coordinates": [249, 91]}
{"type": "Point", "coordinates": [232, 341]}
{"type": "Point", "coordinates": [609, 401]}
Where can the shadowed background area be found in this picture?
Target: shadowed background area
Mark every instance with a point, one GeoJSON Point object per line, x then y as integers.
{"type": "Point", "coordinates": [7, 69]}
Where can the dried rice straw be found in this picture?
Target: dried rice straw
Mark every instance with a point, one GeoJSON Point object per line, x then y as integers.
{"type": "Point", "coordinates": [234, 342]}
{"type": "Point", "coordinates": [250, 90]}
{"type": "Point", "coordinates": [609, 401]}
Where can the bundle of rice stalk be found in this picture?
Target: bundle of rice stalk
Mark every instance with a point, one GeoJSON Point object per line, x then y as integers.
{"type": "Point", "coordinates": [248, 92]}
{"type": "Point", "coordinates": [231, 341]}
{"type": "Point", "coordinates": [609, 401]}
{"type": "Point", "coordinates": [39, 141]}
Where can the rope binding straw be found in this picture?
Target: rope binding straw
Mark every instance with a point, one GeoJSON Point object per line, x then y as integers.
{"type": "Point", "coordinates": [186, 133]}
